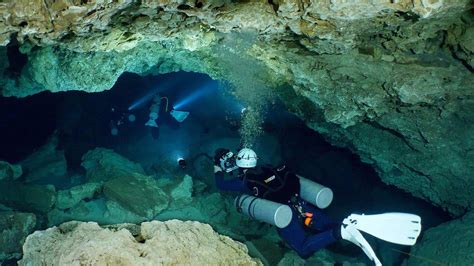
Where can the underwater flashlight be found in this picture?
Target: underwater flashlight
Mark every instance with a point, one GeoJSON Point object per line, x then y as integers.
{"type": "Point", "coordinates": [182, 163]}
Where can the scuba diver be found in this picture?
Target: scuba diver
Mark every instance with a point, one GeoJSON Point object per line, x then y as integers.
{"type": "Point", "coordinates": [292, 203]}
{"type": "Point", "coordinates": [156, 108]}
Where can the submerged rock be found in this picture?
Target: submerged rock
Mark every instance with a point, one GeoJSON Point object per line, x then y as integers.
{"type": "Point", "coordinates": [47, 163]}
{"type": "Point", "coordinates": [98, 210]}
{"type": "Point", "coordinates": [9, 171]}
{"type": "Point", "coordinates": [137, 193]}
{"type": "Point", "coordinates": [451, 243]}
{"type": "Point", "coordinates": [70, 197]}
{"type": "Point", "coordinates": [182, 193]}
{"type": "Point", "coordinates": [14, 228]}
{"type": "Point", "coordinates": [104, 164]}
{"type": "Point", "coordinates": [34, 198]}
{"type": "Point", "coordinates": [153, 243]}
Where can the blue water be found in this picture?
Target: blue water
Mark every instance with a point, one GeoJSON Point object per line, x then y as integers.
{"type": "Point", "coordinates": [82, 122]}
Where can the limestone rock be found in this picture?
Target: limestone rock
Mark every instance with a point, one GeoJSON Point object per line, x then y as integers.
{"type": "Point", "coordinates": [182, 194]}
{"type": "Point", "coordinates": [156, 243]}
{"type": "Point", "coordinates": [35, 198]}
{"type": "Point", "coordinates": [14, 228]}
{"type": "Point", "coordinates": [98, 210]}
{"type": "Point", "coordinates": [392, 80]}
{"type": "Point", "coordinates": [46, 163]}
{"type": "Point", "coordinates": [137, 193]}
{"type": "Point", "coordinates": [104, 164]}
{"type": "Point", "coordinates": [9, 171]}
{"type": "Point", "coordinates": [70, 197]}
{"type": "Point", "coordinates": [451, 243]}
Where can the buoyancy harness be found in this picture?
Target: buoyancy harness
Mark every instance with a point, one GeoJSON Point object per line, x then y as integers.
{"type": "Point", "coordinates": [306, 218]}
{"type": "Point", "coordinates": [276, 184]}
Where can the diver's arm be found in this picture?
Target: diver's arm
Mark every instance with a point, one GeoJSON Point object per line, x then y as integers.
{"type": "Point", "coordinates": [234, 185]}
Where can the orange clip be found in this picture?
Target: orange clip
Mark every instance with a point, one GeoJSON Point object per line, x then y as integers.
{"type": "Point", "coordinates": [308, 219]}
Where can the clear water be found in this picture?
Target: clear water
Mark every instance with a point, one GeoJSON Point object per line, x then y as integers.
{"type": "Point", "coordinates": [83, 120]}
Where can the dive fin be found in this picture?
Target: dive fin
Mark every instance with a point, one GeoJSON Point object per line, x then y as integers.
{"type": "Point", "coordinates": [151, 123]}
{"type": "Point", "coordinates": [179, 115]}
{"type": "Point", "coordinates": [350, 233]}
{"type": "Point", "coordinates": [394, 227]}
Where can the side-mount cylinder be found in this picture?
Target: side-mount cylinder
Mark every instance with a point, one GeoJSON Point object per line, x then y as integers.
{"type": "Point", "coordinates": [315, 193]}
{"type": "Point", "coordinates": [264, 210]}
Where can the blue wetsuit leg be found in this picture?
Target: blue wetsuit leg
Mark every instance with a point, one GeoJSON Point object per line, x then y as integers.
{"type": "Point", "coordinates": [295, 236]}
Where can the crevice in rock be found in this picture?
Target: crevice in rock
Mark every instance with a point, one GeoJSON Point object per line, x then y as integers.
{"type": "Point", "coordinates": [16, 59]}
{"type": "Point", "coordinates": [408, 16]}
{"type": "Point", "coordinates": [461, 60]}
{"type": "Point", "coordinates": [184, 7]}
{"type": "Point", "coordinates": [418, 172]}
{"type": "Point", "coordinates": [392, 132]}
{"type": "Point", "coordinates": [274, 5]}
{"type": "Point", "coordinates": [198, 4]}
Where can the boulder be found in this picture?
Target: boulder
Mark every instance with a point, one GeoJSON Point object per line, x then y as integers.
{"type": "Point", "coordinates": [47, 163]}
{"type": "Point", "coordinates": [70, 197]}
{"type": "Point", "coordinates": [14, 228]}
{"type": "Point", "coordinates": [451, 243]}
{"type": "Point", "coordinates": [137, 193]}
{"type": "Point", "coordinates": [98, 210]}
{"type": "Point", "coordinates": [9, 171]}
{"type": "Point", "coordinates": [34, 198]}
{"type": "Point", "coordinates": [172, 242]}
{"type": "Point", "coordinates": [182, 193]}
{"type": "Point", "coordinates": [104, 164]}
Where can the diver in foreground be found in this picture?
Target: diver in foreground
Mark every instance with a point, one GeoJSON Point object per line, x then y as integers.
{"type": "Point", "coordinates": [280, 197]}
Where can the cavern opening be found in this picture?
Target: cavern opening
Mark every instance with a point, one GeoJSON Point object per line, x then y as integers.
{"type": "Point", "coordinates": [55, 136]}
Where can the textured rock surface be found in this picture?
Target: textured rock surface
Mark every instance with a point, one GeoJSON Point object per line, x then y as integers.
{"type": "Point", "coordinates": [14, 228]}
{"type": "Point", "coordinates": [182, 193]}
{"type": "Point", "coordinates": [137, 193]}
{"type": "Point", "coordinates": [46, 163]}
{"type": "Point", "coordinates": [99, 210]}
{"type": "Point", "coordinates": [9, 171]}
{"type": "Point", "coordinates": [103, 164]}
{"type": "Point", "coordinates": [451, 243]}
{"type": "Point", "coordinates": [33, 198]}
{"type": "Point", "coordinates": [392, 80]}
{"type": "Point", "coordinates": [70, 197]}
{"type": "Point", "coordinates": [152, 243]}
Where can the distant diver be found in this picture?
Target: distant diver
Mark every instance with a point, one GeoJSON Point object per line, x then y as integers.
{"type": "Point", "coordinates": [156, 109]}
{"type": "Point", "coordinates": [277, 196]}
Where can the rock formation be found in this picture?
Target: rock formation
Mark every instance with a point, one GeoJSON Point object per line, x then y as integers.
{"type": "Point", "coordinates": [151, 243]}
{"type": "Point", "coordinates": [9, 171]}
{"type": "Point", "coordinates": [14, 228]}
{"type": "Point", "coordinates": [137, 193]}
{"type": "Point", "coordinates": [104, 164]}
{"type": "Point", "coordinates": [451, 243]}
{"type": "Point", "coordinates": [31, 198]}
{"type": "Point", "coordinates": [71, 197]}
{"type": "Point", "coordinates": [46, 163]}
{"type": "Point", "coordinates": [391, 80]}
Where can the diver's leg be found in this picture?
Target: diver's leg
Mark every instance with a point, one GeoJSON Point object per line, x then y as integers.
{"type": "Point", "coordinates": [320, 221]}
{"type": "Point", "coordinates": [295, 236]}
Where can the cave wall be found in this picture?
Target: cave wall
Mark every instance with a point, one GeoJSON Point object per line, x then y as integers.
{"type": "Point", "coordinates": [392, 80]}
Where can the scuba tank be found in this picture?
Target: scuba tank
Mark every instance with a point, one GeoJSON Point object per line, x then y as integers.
{"type": "Point", "coordinates": [263, 210]}
{"type": "Point", "coordinates": [315, 193]}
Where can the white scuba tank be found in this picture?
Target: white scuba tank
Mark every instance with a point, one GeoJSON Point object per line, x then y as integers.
{"type": "Point", "coordinates": [315, 193]}
{"type": "Point", "coordinates": [264, 210]}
